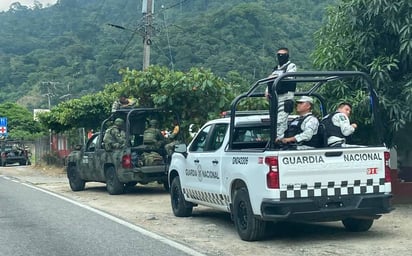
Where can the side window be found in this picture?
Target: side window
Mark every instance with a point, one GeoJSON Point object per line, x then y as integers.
{"type": "Point", "coordinates": [91, 146]}
{"type": "Point", "coordinates": [218, 136]}
{"type": "Point", "coordinates": [199, 143]}
{"type": "Point", "coordinates": [251, 137]}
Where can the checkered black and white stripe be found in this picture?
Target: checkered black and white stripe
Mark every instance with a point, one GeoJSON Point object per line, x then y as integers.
{"type": "Point", "coordinates": [333, 189]}
{"type": "Point", "coordinates": [213, 198]}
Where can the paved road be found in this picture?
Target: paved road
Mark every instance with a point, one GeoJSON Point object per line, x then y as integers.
{"type": "Point", "coordinates": [37, 222]}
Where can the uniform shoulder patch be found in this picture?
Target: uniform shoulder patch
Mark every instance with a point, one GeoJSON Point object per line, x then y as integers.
{"type": "Point", "coordinates": [342, 117]}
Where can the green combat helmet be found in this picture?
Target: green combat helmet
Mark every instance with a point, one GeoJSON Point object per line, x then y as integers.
{"type": "Point", "coordinates": [153, 122]}
{"type": "Point", "coordinates": [118, 122]}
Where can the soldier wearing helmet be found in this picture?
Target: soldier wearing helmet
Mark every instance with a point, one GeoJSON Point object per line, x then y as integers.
{"type": "Point", "coordinates": [115, 137]}
{"type": "Point", "coordinates": [152, 136]}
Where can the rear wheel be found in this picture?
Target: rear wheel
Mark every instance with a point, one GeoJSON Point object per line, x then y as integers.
{"type": "Point", "coordinates": [113, 185]}
{"type": "Point", "coordinates": [75, 181]}
{"type": "Point", "coordinates": [180, 207]}
{"type": "Point", "coordinates": [247, 225]}
{"type": "Point", "coordinates": [357, 225]}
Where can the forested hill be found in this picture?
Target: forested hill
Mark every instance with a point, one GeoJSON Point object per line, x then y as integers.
{"type": "Point", "coordinates": [68, 50]}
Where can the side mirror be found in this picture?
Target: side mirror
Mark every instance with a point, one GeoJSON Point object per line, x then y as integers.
{"type": "Point", "coordinates": [180, 148]}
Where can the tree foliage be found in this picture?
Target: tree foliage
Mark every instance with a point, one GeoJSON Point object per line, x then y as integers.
{"type": "Point", "coordinates": [71, 46]}
{"type": "Point", "coordinates": [87, 111]}
{"type": "Point", "coordinates": [20, 123]}
{"type": "Point", "coordinates": [373, 36]}
{"type": "Point", "coordinates": [196, 95]}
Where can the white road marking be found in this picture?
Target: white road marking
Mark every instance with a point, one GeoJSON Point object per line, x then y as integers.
{"type": "Point", "coordinates": [143, 231]}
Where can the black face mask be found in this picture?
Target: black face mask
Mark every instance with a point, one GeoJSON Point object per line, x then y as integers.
{"type": "Point", "coordinates": [282, 58]}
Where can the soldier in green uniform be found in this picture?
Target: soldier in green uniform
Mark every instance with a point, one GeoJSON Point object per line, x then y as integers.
{"type": "Point", "coordinates": [115, 137]}
{"type": "Point", "coordinates": [152, 136]}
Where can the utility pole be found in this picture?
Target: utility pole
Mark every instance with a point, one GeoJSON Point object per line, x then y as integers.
{"type": "Point", "coordinates": [147, 10]}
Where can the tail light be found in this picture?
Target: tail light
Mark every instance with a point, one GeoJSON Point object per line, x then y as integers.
{"type": "Point", "coordinates": [127, 161]}
{"type": "Point", "coordinates": [387, 156]}
{"type": "Point", "coordinates": [272, 177]}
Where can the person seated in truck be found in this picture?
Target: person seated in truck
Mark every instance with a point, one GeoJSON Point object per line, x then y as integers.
{"type": "Point", "coordinates": [303, 130]}
{"type": "Point", "coordinates": [152, 136]}
{"type": "Point", "coordinates": [338, 126]}
{"type": "Point", "coordinates": [115, 137]}
{"type": "Point", "coordinates": [169, 147]}
{"type": "Point", "coordinates": [123, 102]}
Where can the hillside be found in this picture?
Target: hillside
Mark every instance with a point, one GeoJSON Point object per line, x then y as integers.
{"type": "Point", "coordinates": [51, 54]}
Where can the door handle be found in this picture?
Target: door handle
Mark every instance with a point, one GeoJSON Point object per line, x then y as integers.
{"type": "Point", "coordinates": [215, 162]}
{"type": "Point", "coordinates": [196, 161]}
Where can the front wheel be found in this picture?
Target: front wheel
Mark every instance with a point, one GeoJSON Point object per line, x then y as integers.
{"type": "Point", "coordinates": [75, 181]}
{"type": "Point", "coordinates": [180, 207]}
{"type": "Point", "coordinates": [357, 225]}
{"type": "Point", "coordinates": [113, 185]}
{"type": "Point", "coordinates": [247, 225]}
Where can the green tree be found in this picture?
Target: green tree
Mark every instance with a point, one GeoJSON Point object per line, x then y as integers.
{"type": "Point", "coordinates": [88, 112]}
{"type": "Point", "coordinates": [20, 122]}
{"type": "Point", "coordinates": [197, 95]}
{"type": "Point", "coordinates": [374, 37]}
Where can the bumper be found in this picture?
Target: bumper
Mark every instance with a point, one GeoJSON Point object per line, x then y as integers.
{"type": "Point", "coordinates": [144, 174]}
{"type": "Point", "coordinates": [327, 209]}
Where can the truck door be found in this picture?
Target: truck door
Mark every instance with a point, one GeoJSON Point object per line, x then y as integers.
{"type": "Point", "coordinates": [89, 164]}
{"type": "Point", "coordinates": [204, 162]}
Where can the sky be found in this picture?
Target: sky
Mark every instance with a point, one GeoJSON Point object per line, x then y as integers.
{"type": "Point", "coordinates": [5, 4]}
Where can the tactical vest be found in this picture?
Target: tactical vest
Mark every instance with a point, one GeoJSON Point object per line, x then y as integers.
{"type": "Point", "coordinates": [284, 86]}
{"type": "Point", "coordinates": [330, 128]}
{"type": "Point", "coordinates": [294, 128]}
{"type": "Point", "coordinates": [149, 136]}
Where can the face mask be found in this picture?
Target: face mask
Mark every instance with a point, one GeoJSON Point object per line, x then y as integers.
{"type": "Point", "coordinates": [282, 58]}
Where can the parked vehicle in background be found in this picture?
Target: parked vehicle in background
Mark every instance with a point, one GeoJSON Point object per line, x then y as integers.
{"type": "Point", "coordinates": [136, 162]}
{"type": "Point", "coordinates": [14, 151]}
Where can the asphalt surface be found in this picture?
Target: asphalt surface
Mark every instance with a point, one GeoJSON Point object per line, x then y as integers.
{"type": "Point", "coordinates": [37, 222]}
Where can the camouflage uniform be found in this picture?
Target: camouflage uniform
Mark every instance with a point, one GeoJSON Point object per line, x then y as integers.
{"type": "Point", "coordinates": [152, 136]}
{"type": "Point", "coordinates": [115, 137]}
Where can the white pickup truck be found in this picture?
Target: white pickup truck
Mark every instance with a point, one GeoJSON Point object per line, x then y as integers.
{"type": "Point", "coordinates": [233, 164]}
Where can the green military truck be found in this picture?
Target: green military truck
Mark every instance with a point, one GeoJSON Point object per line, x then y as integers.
{"type": "Point", "coordinates": [137, 161]}
{"type": "Point", "coordinates": [14, 151]}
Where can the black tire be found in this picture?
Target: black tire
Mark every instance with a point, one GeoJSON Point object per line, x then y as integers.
{"type": "Point", "coordinates": [357, 225]}
{"type": "Point", "coordinates": [247, 225]}
{"type": "Point", "coordinates": [180, 207]}
{"type": "Point", "coordinates": [76, 183]}
{"type": "Point", "coordinates": [113, 185]}
{"type": "Point", "coordinates": [3, 163]}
